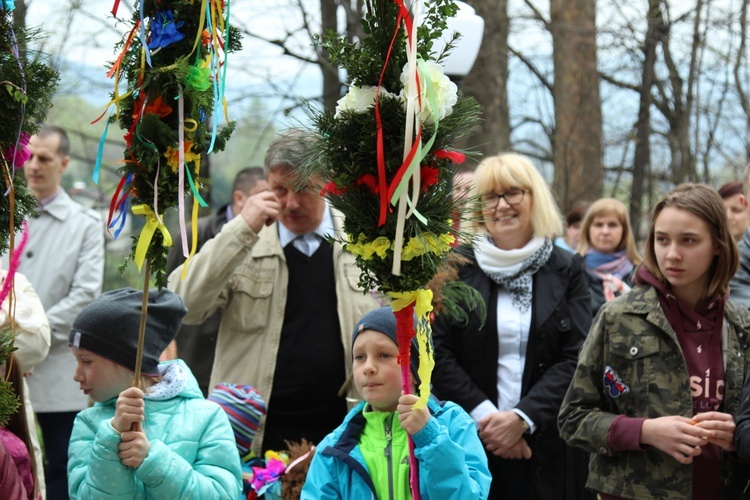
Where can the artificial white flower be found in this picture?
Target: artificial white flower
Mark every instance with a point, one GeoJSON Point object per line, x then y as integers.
{"type": "Point", "coordinates": [446, 92]}
{"type": "Point", "coordinates": [359, 99]}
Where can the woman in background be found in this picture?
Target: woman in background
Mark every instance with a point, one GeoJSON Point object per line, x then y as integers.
{"type": "Point", "coordinates": [608, 248]}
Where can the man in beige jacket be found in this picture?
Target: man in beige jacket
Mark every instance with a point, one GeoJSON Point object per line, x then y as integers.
{"type": "Point", "coordinates": [290, 300]}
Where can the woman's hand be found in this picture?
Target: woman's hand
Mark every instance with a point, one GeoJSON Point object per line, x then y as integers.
{"type": "Point", "coordinates": [675, 436]}
{"type": "Point", "coordinates": [500, 431]}
{"type": "Point", "coordinates": [411, 420]}
{"type": "Point", "coordinates": [129, 409]}
{"type": "Point", "coordinates": [721, 426]}
{"type": "Point", "coordinates": [519, 451]}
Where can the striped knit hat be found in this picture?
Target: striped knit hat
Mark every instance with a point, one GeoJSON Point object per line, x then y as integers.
{"type": "Point", "coordinates": [244, 407]}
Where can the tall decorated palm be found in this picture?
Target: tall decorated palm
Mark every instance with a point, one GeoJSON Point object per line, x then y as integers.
{"type": "Point", "coordinates": [388, 160]}
{"type": "Point", "coordinates": [26, 89]}
{"type": "Point", "coordinates": [169, 80]}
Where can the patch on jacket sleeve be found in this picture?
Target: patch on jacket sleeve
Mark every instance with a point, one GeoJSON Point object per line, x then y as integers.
{"type": "Point", "coordinates": [613, 383]}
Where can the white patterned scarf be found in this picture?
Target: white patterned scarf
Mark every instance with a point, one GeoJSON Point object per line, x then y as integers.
{"type": "Point", "coordinates": [513, 269]}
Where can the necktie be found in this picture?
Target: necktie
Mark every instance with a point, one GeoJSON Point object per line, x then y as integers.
{"type": "Point", "coordinates": [307, 243]}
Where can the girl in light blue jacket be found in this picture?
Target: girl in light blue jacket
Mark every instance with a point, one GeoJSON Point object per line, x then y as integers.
{"type": "Point", "coordinates": [162, 442]}
{"type": "Point", "coordinates": [367, 455]}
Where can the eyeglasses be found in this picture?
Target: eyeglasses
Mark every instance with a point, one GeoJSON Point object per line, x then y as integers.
{"type": "Point", "coordinates": [512, 197]}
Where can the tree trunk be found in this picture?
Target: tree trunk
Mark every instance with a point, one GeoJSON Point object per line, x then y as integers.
{"type": "Point", "coordinates": [577, 143]}
{"type": "Point", "coordinates": [739, 80]}
{"type": "Point", "coordinates": [487, 81]}
{"type": "Point", "coordinates": [331, 83]}
{"type": "Point", "coordinates": [19, 20]}
{"type": "Point", "coordinates": [642, 156]}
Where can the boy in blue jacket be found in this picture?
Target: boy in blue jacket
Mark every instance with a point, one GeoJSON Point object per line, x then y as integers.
{"type": "Point", "coordinates": [183, 446]}
{"type": "Point", "coordinates": [368, 455]}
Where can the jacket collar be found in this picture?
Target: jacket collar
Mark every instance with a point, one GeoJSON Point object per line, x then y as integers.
{"type": "Point", "coordinates": [269, 243]}
{"type": "Point", "coordinates": [61, 207]}
{"type": "Point", "coordinates": [355, 421]}
{"type": "Point", "coordinates": [644, 300]}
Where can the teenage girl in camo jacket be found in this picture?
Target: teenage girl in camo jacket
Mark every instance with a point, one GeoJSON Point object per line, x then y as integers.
{"type": "Point", "coordinates": [659, 377]}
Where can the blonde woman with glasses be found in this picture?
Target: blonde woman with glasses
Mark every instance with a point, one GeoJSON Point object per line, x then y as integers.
{"type": "Point", "coordinates": [510, 370]}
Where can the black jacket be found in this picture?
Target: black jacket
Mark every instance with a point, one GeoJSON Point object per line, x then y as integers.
{"type": "Point", "coordinates": [596, 287]}
{"type": "Point", "coordinates": [466, 363]}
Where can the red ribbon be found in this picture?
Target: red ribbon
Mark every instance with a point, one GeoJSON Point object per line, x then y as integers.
{"type": "Point", "coordinates": [114, 203]}
{"type": "Point", "coordinates": [405, 165]}
{"type": "Point", "coordinates": [403, 15]}
{"type": "Point", "coordinates": [124, 50]}
{"type": "Point", "coordinates": [453, 156]}
{"type": "Point", "coordinates": [404, 334]}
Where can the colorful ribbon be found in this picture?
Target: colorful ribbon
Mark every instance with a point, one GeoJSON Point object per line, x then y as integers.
{"type": "Point", "coordinates": [422, 307]}
{"type": "Point", "coordinates": [153, 223]}
{"type": "Point", "coordinates": [15, 261]}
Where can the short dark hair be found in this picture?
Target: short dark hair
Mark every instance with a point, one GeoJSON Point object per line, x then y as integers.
{"type": "Point", "coordinates": [730, 189]}
{"type": "Point", "coordinates": [577, 212]}
{"type": "Point", "coordinates": [46, 130]}
{"type": "Point", "coordinates": [247, 178]}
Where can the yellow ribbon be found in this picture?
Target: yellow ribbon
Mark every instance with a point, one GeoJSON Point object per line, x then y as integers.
{"type": "Point", "coordinates": [153, 222]}
{"type": "Point", "coordinates": [190, 125]}
{"type": "Point", "coordinates": [422, 308]}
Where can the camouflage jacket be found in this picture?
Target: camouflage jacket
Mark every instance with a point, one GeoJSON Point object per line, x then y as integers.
{"type": "Point", "coordinates": [631, 335]}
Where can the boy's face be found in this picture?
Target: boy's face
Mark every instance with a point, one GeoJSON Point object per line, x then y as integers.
{"type": "Point", "coordinates": [377, 374]}
{"type": "Point", "coordinates": [100, 378]}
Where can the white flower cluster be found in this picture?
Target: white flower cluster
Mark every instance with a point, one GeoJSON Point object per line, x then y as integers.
{"type": "Point", "coordinates": [360, 99]}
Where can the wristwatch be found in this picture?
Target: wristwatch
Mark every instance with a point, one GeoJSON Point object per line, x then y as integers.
{"type": "Point", "coordinates": [523, 423]}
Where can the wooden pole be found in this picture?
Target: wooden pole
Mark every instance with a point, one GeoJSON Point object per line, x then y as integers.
{"type": "Point", "coordinates": [142, 328]}
{"type": "Point", "coordinates": [141, 335]}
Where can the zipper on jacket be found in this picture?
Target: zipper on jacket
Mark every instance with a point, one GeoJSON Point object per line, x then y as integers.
{"type": "Point", "coordinates": [388, 423]}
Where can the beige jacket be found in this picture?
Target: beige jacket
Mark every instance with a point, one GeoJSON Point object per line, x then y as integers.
{"type": "Point", "coordinates": [32, 342]}
{"type": "Point", "coordinates": [245, 275]}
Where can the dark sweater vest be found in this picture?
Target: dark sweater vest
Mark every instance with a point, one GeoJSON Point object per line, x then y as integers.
{"type": "Point", "coordinates": [310, 360]}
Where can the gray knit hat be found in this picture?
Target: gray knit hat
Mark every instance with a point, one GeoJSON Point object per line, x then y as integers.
{"type": "Point", "coordinates": [109, 326]}
{"type": "Point", "coordinates": [384, 321]}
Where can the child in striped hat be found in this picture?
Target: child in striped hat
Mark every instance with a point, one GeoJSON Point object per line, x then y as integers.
{"type": "Point", "coordinates": [244, 406]}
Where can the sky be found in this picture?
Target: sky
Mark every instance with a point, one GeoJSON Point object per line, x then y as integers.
{"type": "Point", "coordinates": [82, 41]}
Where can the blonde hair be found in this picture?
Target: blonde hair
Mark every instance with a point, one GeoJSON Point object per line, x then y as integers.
{"type": "Point", "coordinates": [705, 203]}
{"type": "Point", "coordinates": [511, 170]}
{"type": "Point", "coordinates": [610, 206]}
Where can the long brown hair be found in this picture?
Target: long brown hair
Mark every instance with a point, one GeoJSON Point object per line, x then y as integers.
{"type": "Point", "coordinates": [705, 203]}
{"type": "Point", "coordinates": [17, 423]}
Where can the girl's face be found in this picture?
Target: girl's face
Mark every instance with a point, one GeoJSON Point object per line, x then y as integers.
{"type": "Point", "coordinates": [605, 233]}
{"type": "Point", "coordinates": [100, 378]}
{"type": "Point", "coordinates": [377, 374]}
{"type": "Point", "coordinates": [684, 251]}
{"type": "Point", "coordinates": [509, 224]}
